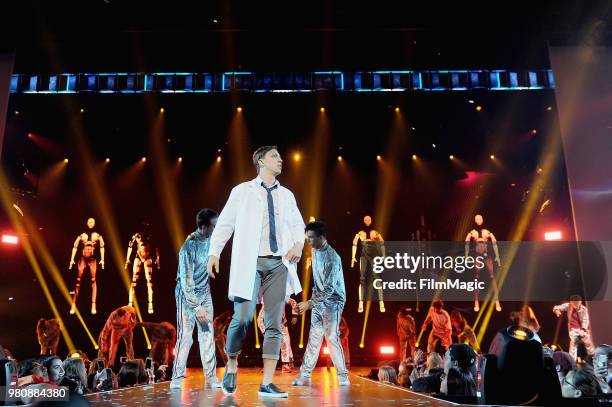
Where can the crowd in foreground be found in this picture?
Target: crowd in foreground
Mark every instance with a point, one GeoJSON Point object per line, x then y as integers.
{"type": "Point", "coordinates": [82, 376]}
{"type": "Point", "coordinates": [454, 376]}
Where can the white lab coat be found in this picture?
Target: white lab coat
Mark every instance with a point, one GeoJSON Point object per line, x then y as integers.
{"type": "Point", "coordinates": [243, 216]}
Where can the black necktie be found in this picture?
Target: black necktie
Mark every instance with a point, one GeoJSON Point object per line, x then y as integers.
{"type": "Point", "coordinates": [272, 221]}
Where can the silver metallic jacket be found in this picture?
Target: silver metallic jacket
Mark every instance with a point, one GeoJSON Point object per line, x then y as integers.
{"type": "Point", "coordinates": [328, 278]}
{"type": "Point", "coordinates": [192, 276]}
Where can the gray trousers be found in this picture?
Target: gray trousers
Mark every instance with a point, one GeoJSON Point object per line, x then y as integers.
{"type": "Point", "coordinates": [271, 277]}
{"type": "Point", "coordinates": [185, 321]}
{"type": "Point", "coordinates": [324, 322]}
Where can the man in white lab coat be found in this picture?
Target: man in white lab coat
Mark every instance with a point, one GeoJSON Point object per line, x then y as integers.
{"type": "Point", "coordinates": [268, 241]}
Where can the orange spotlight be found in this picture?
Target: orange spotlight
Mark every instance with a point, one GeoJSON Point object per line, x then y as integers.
{"type": "Point", "coordinates": [180, 159]}
{"type": "Point", "coordinates": [322, 110]}
{"type": "Point", "coordinates": [82, 110]}
{"type": "Point", "coordinates": [239, 109]}
{"type": "Point", "coordinates": [414, 157]}
{"type": "Point", "coordinates": [361, 345]}
{"type": "Point", "coordinates": [143, 159]}
{"type": "Point", "coordinates": [107, 160]}
{"type": "Point", "coordinates": [10, 239]}
{"type": "Point", "coordinates": [339, 158]}
{"type": "Point", "coordinates": [378, 157]}
{"type": "Point", "coordinates": [65, 160]}
{"type": "Point", "coordinates": [161, 110]}
{"type": "Point", "coordinates": [452, 157]}
{"type": "Point", "coordinates": [16, 112]}
{"type": "Point", "coordinates": [296, 157]}
{"type": "Point", "coordinates": [553, 235]}
{"type": "Point", "coordinates": [397, 109]}
{"type": "Point", "coordinates": [387, 350]}
{"type": "Point", "coordinates": [478, 108]}
{"type": "Point", "coordinates": [218, 158]}
{"type": "Point", "coordinates": [492, 156]}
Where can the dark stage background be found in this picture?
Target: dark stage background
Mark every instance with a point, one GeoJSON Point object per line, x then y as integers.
{"type": "Point", "coordinates": [358, 127]}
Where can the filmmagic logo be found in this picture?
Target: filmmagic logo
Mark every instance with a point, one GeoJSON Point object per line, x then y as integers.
{"type": "Point", "coordinates": [413, 263]}
{"type": "Point", "coordinates": [429, 284]}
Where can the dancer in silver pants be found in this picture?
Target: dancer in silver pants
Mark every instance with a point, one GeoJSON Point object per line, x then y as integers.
{"type": "Point", "coordinates": [194, 303]}
{"type": "Point", "coordinates": [285, 348]}
{"type": "Point", "coordinates": [326, 305]}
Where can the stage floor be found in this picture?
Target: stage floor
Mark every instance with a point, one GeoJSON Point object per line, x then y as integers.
{"type": "Point", "coordinates": [324, 392]}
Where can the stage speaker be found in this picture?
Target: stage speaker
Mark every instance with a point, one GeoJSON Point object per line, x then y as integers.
{"type": "Point", "coordinates": [515, 371]}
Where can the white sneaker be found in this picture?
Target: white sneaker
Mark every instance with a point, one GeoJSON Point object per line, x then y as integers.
{"type": "Point", "coordinates": [176, 383]}
{"type": "Point", "coordinates": [213, 383]}
{"type": "Point", "coordinates": [302, 381]}
{"type": "Point", "coordinates": [343, 381]}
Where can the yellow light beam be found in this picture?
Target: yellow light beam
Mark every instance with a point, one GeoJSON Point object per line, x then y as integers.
{"type": "Point", "coordinates": [167, 186]}
{"type": "Point", "coordinates": [257, 345]}
{"type": "Point", "coordinates": [365, 323]}
{"type": "Point", "coordinates": [53, 269]}
{"type": "Point", "coordinates": [16, 222]}
{"type": "Point", "coordinates": [92, 177]}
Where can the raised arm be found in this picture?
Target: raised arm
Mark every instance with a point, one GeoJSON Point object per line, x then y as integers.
{"type": "Point", "coordinates": [75, 246]}
{"type": "Point", "coordinates": [495, 250]}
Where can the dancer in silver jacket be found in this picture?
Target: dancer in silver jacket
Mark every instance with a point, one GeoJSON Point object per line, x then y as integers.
{"type": "Point", "coordinates": [326, 304]}
{"type": "Point", "coordinates": [194, 302]}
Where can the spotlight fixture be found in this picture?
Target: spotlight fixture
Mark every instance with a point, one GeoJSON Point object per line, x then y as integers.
{"type": "Point", "coordinates": [339, 158]}
{"type": "Point", "coordinates": [65, 160]}
{"type": "Point", "coordinates": [143, 159]}
{"type": "Point", "coordinates": [397, 109]}
{"type": "Point", "coordinates": [180, 159]}
{"type": "Point", "coordinates": [218, 158]}
{"type": "Point", "coordinates": [16, 112]}
{"type": "Point", "coordinates": [414, 157]}
{"type": "Point", "coordinates": [378, 157]}
{"type": "Point", "coordinates": [107, 160]}
{"type": "Point", "coordinates": [387, 350]}
{"type": "Point", "coordinates": [553, 235]}
{"type": "Point", "coordinates": [322, 110]}
{"type": "Point", "coordinates": [161, 110]}
{"type": "Point", "coordinates": [452, 157]}
{"type": "Point", "coordinates": [478, 108]}
{"type": "Point", "coordinates": [492, 156]}
{"type": "Point", "coordinates": [82, 110]}
{"type": "Point", "coordinates": [297, 156]}
{"type": "Point", "coordinates": [239, 109]}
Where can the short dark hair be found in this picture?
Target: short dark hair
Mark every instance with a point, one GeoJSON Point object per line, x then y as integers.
{"type": "Point", "coordinates": [585, 380]}
{"type": "Point", "coordinates": [260, 153]}
{"type": "Point", "coordinates": [438, 304]}
{"type": "Point", "coordinates": [204, 217]}
{"type": "Point", "coordinates": [575, 297]}
{"type": "Point", "coordinates": [317, 227]}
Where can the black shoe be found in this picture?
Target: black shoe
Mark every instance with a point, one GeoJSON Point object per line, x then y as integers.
{"type": "Point", "coordinates": [270, 390]}
{"type": "Point", "coordinates": [229, 382]}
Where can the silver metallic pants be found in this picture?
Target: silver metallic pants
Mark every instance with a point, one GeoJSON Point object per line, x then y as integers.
{"type": "Point", "coordinates": [324, 323]}
{"type": "Point", "coordinates": [185, 321]}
